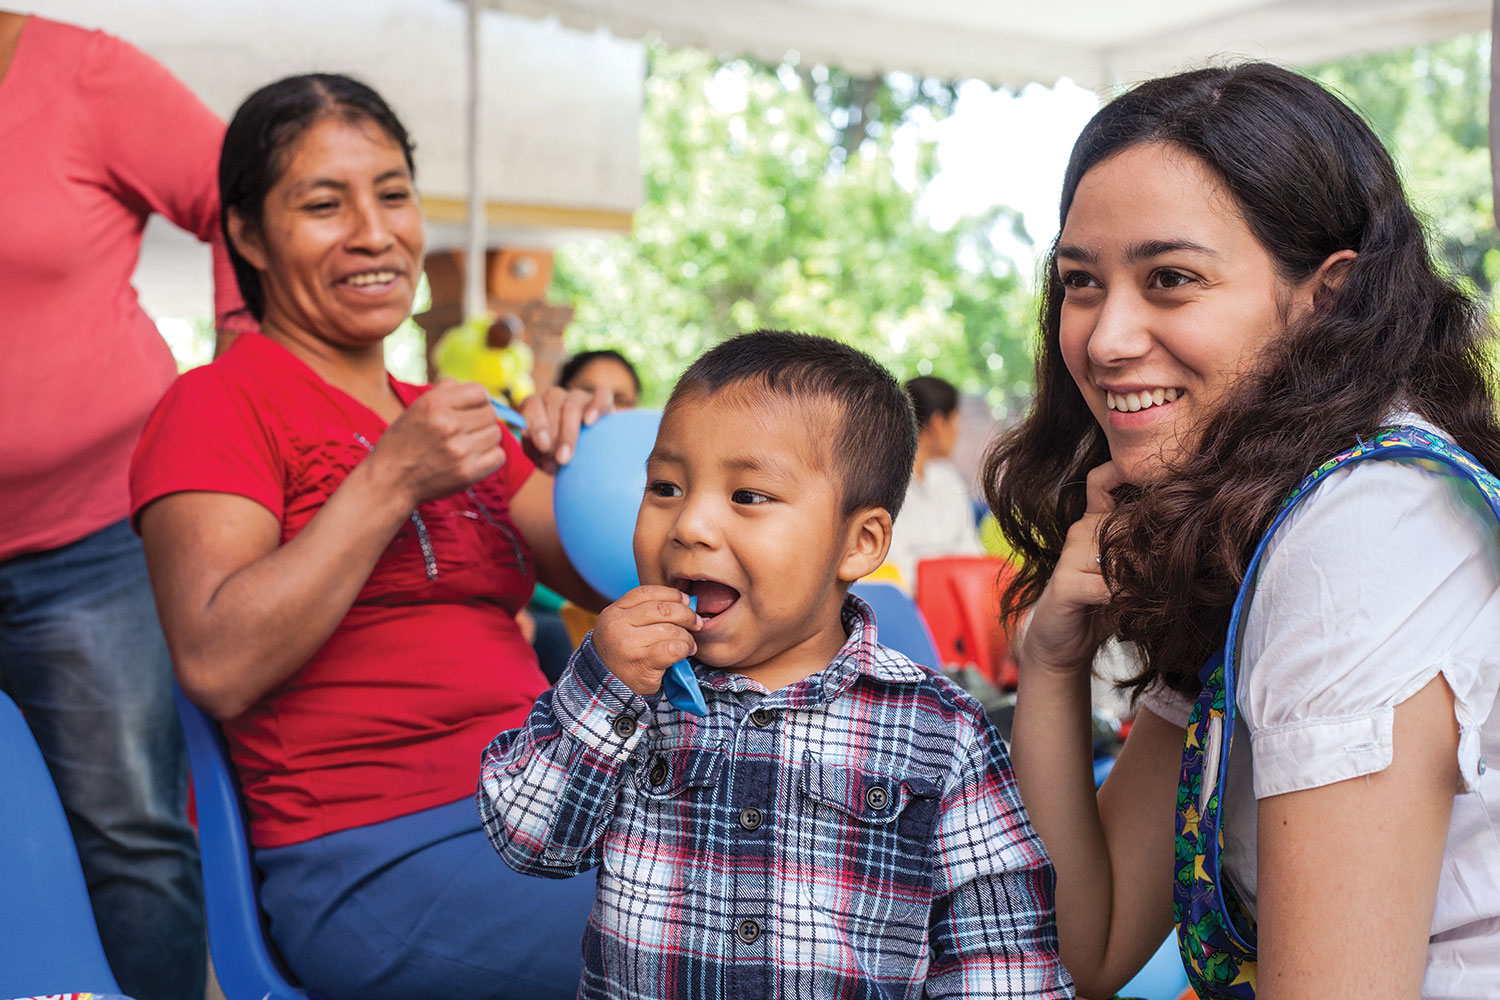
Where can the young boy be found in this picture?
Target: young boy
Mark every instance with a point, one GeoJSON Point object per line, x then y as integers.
{"type": "Point", "coordinates": [842, 823]}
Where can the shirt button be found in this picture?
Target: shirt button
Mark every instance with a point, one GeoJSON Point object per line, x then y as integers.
{"type": "Point", "coordinates": [624, 726]}
{"type": "Point", "coordinates": [877, 797]}
{"type": "Point", "coordinates": [761, 717]}
{"type": "Point", "coordinates": [751, 818]}
{"type": "Point", "coordinates": [748, 931]}
{"type": "Point", "coordinates": [658, 775]}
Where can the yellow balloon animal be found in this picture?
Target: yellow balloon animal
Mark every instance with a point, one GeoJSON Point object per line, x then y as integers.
{"type": "Point", "coordinates": [469, 352]}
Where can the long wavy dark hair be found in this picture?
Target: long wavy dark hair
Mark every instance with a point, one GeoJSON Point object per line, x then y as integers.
{"type": "Point", "coordinates": [1309, 178]}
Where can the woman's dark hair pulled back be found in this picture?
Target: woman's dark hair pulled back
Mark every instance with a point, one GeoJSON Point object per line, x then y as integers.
{"type": "Point", "coordinates": [575, 365]}
{"type": "Point", "coordinates": [1389, 332]}
{"type": "Point", "coordinates": [259, 136]}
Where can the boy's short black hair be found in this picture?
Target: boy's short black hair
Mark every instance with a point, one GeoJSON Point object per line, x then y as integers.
{"type": "Point", "coordinates": [874, 443]}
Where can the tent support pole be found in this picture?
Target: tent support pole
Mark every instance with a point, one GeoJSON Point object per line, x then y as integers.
{"type": "Point", "coordinates": [475, 299]}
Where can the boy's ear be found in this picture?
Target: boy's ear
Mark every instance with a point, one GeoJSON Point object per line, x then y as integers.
{"type": "Point", "coordinates": [865, 543]}
{"type": "Point", "coordinates": [247, 240]}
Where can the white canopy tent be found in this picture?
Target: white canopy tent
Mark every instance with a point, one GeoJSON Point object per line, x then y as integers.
{"type": "Point", "coordinates": [1093, 42]}
{"type": "Point", "coordinates": [561, 82]}
{"type": "Point", "coordinates": [558, 146]}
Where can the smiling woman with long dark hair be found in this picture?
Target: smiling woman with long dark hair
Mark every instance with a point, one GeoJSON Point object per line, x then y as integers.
{"type": "Point", "coordinates": [1241, 295]}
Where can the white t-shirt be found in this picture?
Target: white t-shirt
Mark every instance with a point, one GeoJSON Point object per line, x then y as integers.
{"type": "Point", "coordinates": [1384, 577]}
{"type": "Point", "coordinates": [936, 519]}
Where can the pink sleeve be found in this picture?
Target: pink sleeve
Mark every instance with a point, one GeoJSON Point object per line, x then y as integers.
{"type": "Point", "coordinates": [165, 161]}
{"type": "Point", "coordinates": [206, 435]}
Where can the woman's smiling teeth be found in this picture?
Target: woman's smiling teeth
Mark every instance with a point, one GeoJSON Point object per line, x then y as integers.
{"type": "Point", "coordinates": [1129, 402]}
{"type": "Point", "coordinates": [371, 278]}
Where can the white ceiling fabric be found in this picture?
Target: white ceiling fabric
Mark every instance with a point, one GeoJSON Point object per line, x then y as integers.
{"type": "Point", "coordinates": [563, 81]}
{"type": "Point", "coordinates": [1094, 42]}
{"type": "Point", "coordinates": [562, 107]}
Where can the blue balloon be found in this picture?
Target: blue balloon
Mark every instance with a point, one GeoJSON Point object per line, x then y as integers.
{"type": "Point", "coordinates": [595, 502]}
{"type": "Point", "coordinates": [598, 494]}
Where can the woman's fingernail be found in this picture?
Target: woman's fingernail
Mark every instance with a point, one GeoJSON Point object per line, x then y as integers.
{"type": "Point", "coordinates": [543, 440]}
{"type": "Point", "coordinates": [697, 621]}
{"type": "Point", "coordinates": [564, 453]}
{"type": "Point", "coordinates": [589, 418]}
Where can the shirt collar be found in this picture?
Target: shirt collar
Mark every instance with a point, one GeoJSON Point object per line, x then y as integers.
{"type": "Point", "coordinates": [861, 656]}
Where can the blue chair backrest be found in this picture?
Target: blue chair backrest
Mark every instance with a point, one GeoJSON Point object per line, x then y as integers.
{"type": "Point", "coordinates": [49, 942]}
{"type": "Point", "coordinates": [898, 622]}
{"type": "Point", "coordinates": [1162, 978]}
{"type": "Point", "coordinates": [243, 961]}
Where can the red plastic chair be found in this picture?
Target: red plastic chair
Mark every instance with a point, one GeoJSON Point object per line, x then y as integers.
{"type": "Point", "coordinates": [960, 598]}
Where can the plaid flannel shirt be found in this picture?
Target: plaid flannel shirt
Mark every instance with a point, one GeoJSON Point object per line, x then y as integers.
{"type": "Point", "coordinates": [855, 835]}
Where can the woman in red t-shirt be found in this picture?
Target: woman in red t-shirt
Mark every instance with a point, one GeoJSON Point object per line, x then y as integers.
{"type": "Point", "coordinates": [338, 559]}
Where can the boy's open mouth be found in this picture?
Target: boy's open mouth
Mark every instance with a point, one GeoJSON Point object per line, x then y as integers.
{"type": "Point", "coordinates": [714, 598]}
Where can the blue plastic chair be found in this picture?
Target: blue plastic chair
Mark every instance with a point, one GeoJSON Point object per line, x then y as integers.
{"type": "Point", "coordinates": [49, 942]}
{"type": "Point", "coordinates": [898, 622]}
{"type": "Point", "coordinates": [1162, 978]}
{"type": "Point", "coordinates": [242, 957]}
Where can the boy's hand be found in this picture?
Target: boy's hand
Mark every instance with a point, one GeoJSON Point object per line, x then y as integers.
{"type": "Point", "coordinates": [643, 633]}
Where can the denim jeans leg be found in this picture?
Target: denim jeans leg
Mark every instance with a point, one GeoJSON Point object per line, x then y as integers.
{"type": "Point", "coordinates": [82, 654]}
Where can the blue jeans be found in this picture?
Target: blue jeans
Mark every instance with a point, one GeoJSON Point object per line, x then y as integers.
{"type": "Point", "coordinates": [82, 654]}
{"type": "Point", "coordinates": [421, 906]}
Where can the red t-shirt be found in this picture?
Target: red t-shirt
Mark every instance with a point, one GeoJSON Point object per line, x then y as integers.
{"type": "Point", "coordinates": [391, 714]}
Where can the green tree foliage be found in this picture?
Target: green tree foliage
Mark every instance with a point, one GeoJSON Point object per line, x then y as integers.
{"type": "Point", "coordinates": [1430, 105]}
{"type": "Point", "coordinates": [857, 108]}
{"type": "Point", "coordinates": [772, 199]}
{"type": "Point", "coordinates": [763, 209]}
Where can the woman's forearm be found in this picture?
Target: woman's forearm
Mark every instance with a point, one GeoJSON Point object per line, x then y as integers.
{"type": "Point", "coordinates": [1051, 751]}
{"type": "Point", "coordinates": [241, 612]}
{"type": "Point", "coordinates": [532, 511]}
{"type": "Point", "coordinates": [1112, 850]}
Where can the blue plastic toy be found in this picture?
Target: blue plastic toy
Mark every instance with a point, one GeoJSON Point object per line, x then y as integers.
{"type": "Point", "coordinates": [508, 415]}
{"type": "Point", "coordinates": [680, 683]}
{"type": "Point", "coordinates": [595, 501]}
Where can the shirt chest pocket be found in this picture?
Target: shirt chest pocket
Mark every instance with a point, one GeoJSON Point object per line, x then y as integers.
{"type": "Point", "coordinates": [866, 840]}
{"type": "Point", "coordinates": [655, 846]}
{"type": "Point", "coordinates": [867, 836]}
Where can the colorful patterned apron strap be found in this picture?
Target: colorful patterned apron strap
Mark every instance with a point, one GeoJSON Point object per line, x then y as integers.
{"type": "Point", "coordinates": [1215, 931]}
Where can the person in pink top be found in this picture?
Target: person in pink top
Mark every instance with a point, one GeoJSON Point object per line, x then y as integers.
{"type": "Point", "coordinates": [98, 137]}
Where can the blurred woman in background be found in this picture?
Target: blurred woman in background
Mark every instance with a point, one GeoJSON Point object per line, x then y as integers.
{"type": "Point", "coordinates": [937, 518]}
{"type": "Point", "coordinates": [607, 370]}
